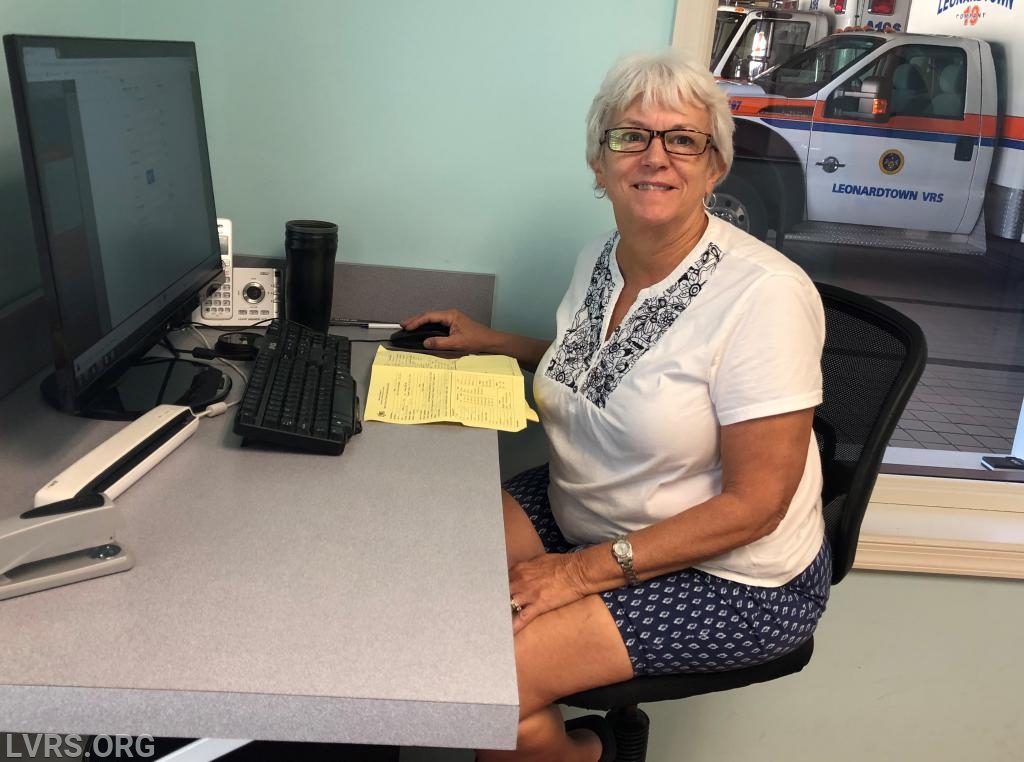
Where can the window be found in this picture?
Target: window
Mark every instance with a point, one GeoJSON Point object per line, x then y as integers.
{"type": "Point", "coordinates": [805, 73]}
{"type": "Point", "coordinates": [969, 401]}
{"type": "Point", "coordinates": [726, 24]}
{"type": "Point", "coordinates": [765, 44]}
{"type": "Point", "coordinates": [924, 81]}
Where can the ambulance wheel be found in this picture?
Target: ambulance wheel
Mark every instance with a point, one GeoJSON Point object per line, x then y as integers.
{"type": "Point", "coordinates": [738, 203]}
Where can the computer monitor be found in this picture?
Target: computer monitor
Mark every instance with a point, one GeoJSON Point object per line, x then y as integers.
{"type": "Point", "coordinates": [117, 171]}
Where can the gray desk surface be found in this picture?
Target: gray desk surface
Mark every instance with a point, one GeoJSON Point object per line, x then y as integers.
{"type": "Point", "coordinates": [279, 596]}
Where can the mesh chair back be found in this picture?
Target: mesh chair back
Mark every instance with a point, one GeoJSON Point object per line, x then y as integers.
{"type": "Point", "coordinates": [871, 362]}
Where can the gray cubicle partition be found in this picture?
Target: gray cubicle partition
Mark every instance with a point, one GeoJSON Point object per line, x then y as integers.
{"type": "Point", "coordinates": [361, 292]}
{"type": "Point", "coordinates": [380, 293]}
{"type": "Point", "coordinates": [369, 292]}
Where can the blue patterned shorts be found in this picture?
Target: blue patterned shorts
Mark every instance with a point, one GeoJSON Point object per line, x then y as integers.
{"type": "Point", "coordinates": [692, 621]}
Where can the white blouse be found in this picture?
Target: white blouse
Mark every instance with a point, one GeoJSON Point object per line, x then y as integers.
{"type": "Point", "coordinates": [735, 332]}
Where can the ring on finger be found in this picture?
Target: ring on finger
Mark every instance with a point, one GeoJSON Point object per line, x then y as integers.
{"type": "Point", "coordinates": [516, 608]}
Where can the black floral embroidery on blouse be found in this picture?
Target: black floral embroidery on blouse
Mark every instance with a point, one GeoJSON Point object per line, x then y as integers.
{"type": "Point", "coordinates": [584, 335]}
{"type": "Point", "coordinates": [632, 338]}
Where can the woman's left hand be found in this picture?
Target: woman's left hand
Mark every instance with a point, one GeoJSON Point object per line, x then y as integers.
{"type": "Point", "coordinates": [544, 583]}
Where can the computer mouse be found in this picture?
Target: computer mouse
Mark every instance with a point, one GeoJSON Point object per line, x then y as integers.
{"type": "Point", "coordinates": [414, 339]}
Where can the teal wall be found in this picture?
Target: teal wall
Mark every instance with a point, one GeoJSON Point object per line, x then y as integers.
{"type": "Point", "coordinates": [408, 123]}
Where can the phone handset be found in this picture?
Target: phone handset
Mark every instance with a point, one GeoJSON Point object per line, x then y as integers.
{"type": "Point", "coordinates": [218, 304]}
{"type": "Point", "coordinates": [248, 295]}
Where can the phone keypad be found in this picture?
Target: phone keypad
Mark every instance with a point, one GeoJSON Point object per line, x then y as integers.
{"type": "Point", "coordinates": [217, 306]}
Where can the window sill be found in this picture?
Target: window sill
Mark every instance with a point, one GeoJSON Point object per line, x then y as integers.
{"type": "Point", "coordinates": [946, 521]}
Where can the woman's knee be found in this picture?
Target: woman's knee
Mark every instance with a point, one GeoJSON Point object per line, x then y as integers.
{"type": "Point", "coordinates": [539, 729]}
{"type": "Point", "coordinates": [521, 539]}
{"type": "Point", "coordinates": [573, 648]}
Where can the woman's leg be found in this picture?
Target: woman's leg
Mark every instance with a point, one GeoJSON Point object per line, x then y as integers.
{"type": "Point", "coordinates": [521, 540]}
{"type": "Point", "coordinates": [567, 650]}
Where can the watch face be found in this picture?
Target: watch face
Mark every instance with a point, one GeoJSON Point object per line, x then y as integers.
{"type": "Point", "coordinates": [621, 548]}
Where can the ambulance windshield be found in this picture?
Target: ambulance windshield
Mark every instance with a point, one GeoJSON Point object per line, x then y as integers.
{"type": "Point", "coordinates": [806, 72]}
{"type": "Point", "coordinates": [726, 24]}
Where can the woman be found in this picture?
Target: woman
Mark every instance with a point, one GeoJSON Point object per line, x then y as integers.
{"type": "Point", "coordinates": [679, 526]}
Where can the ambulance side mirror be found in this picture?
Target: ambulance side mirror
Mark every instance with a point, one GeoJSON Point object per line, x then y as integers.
{"type": "Point", "coordinates": [875, 95]}
{"type": "Point", "coordinates": [869, 101]}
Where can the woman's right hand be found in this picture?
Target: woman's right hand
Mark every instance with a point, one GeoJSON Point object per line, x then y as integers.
{"type": "Point", "coordinates": [464, 333]}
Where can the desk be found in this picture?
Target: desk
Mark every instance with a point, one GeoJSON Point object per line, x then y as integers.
{"type": "Point", "coordinates": [275, 595]}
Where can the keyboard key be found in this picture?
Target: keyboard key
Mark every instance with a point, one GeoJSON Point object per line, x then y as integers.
{"type": "Point", "coordinates": [301, 393]}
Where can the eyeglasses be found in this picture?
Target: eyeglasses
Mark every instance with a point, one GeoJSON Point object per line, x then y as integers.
{"type": "Point", "coordinates": [637, 140]}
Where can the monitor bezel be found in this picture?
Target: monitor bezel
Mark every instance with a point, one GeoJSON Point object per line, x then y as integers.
{"type": "Point", "coordinates": [70, 393]}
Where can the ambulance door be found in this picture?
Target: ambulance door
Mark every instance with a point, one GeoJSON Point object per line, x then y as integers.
{"type": "Point", "coordinates": [895, 143]}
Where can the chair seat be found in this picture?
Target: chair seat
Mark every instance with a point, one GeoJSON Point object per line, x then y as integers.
{"type": "Point", "coordinates": [643, 690]}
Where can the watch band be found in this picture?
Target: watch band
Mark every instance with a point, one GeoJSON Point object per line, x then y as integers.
{"type": "Point", "coordinates": [622, 550]}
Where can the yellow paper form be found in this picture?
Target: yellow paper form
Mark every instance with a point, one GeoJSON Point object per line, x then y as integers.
{"type": "Point", "coordinates": [486, 391]}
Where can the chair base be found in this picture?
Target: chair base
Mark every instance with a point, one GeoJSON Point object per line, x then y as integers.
{"type": "Point", "coordinates": [632, 728]}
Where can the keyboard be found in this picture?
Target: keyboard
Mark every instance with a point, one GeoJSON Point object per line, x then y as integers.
{"type": "Point", "coordinates": [301, 393]}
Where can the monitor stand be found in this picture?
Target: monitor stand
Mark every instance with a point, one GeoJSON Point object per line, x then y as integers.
{"type": "Point", "coordinates": [151, 381]}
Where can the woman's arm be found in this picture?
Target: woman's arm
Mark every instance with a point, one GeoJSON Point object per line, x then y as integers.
{"type": "Point", "coordinates": [763, 460]}
{"type": "Point", "coordinates": [467, 335]}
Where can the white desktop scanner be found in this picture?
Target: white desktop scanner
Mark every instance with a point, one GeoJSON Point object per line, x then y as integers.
{"type": "Point", "coordinates": [70, 534]}
{"type": "Point", "coordinates": [122, 460]}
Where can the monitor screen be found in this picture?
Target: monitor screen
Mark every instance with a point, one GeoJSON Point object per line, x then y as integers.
{"type": "Point", "coordinates": [118, 176]}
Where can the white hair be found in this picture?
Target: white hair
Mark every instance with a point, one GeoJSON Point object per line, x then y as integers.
{"type": "Point", "coordinates": [663, 79]}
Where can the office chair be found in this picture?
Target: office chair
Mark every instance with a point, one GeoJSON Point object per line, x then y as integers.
{"type": "Point", "coordinates": [872, 359]}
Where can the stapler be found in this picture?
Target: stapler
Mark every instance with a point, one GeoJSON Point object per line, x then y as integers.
{"type": "Point", "coordinates": [71, 533]}
{"type": "Point", "coordinates": [60, 543]}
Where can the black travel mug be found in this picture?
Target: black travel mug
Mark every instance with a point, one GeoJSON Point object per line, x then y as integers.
{"type": "Point", "coordinates": [310, 247]}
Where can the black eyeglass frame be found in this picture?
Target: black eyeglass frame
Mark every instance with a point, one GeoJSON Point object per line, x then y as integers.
{"type": "Point", "coordinates": [652, 134]}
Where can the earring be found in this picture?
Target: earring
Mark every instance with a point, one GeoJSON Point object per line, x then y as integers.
{"type": "Point", "coordinates": [709, 205]}
{"type": "Point", "coordinates": [600, 192]}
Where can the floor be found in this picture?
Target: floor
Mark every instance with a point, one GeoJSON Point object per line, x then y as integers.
{"type": "Point", "coordinates": [967, 409]}
{"type": "Point", "coordinates": [971, 309]}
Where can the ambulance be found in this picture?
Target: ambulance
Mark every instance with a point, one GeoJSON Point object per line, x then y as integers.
{"type": "Point", "coordinates": [751, 37]}
{"type": "Point", "coordinates": [886, 138]}
{"type": "Point", "coordinates": [877, 15]}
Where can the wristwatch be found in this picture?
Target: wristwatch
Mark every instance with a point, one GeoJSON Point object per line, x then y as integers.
{"type": "Point", "coordinates": [623, 553]}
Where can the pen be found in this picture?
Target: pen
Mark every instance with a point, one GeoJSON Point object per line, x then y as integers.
{"type": "Point", "coordinates": [366, 324]}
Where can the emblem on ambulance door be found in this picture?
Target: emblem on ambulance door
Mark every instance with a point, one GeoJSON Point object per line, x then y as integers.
{"type": "Point", "coordinates": [891, 161]}
{"type": "Point", "coordinates": [830, 165]}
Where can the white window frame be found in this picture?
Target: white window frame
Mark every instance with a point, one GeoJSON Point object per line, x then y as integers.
{"type": "Point", "coordinates": [944, 526]}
